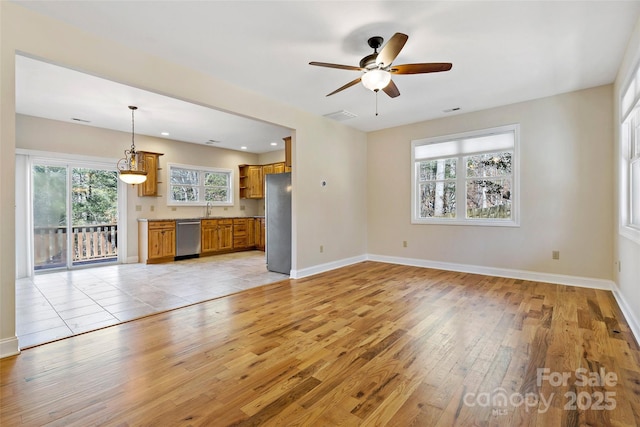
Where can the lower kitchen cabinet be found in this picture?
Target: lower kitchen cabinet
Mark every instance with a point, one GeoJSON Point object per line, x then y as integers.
{"type": "Point", "coordinates": [251, 235]}
{"type": "Point", "coordinates": [157, 238]}
{"type": "Point", "coordinates": [156, 241]}
{"type": "Point", "coordinates": [259, 233]}
{"type": "Point", "coordinates": [240, 233]}
{"type": "Point", "coordinates": [217, 235]}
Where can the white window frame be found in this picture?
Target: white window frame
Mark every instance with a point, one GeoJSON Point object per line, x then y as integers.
{"type": "Point", "coordinates": [465, 150]}
{"type": "Point", "coordinates": [629, 155]}
{"type": "Point", "coordinates": [201, 187]}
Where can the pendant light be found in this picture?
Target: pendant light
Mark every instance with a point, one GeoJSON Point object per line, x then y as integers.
{"type": "Point", "coordinates": [131, 170]}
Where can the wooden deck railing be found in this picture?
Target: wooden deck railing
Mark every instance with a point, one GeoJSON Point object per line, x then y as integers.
{"type": "Point", "coordinates": [90, 243]}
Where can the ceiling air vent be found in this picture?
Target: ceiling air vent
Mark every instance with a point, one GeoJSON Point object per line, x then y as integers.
{"type": "Point", "coordinates": [341, 115]}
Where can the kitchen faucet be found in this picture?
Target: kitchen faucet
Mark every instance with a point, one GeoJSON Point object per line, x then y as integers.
{"type": "Point", "coordinates": [208, 210]}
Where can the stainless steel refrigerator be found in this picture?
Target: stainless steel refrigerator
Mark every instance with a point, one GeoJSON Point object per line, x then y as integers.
{"type": "Point", "coordinates": [278, 222]}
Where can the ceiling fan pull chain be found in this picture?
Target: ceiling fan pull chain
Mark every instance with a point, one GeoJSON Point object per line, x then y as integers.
{"type": "Point", "coordinates": [377, 102]}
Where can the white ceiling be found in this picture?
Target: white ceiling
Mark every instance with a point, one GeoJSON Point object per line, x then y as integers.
{"type": "Point", "coordinates": [57, 93]}
{"type": "Point", "coordinates": [502, 52]}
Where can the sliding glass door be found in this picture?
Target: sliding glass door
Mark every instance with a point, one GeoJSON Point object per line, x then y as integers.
{"type": "Point", "coordinates": [75, 215]}
{"type": "Point", "coordinates": [50, 243]}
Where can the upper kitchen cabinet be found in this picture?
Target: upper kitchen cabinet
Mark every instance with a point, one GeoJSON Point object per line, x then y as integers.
{"type": "Point", "coordinates": [287, 153]}
{"type": "Point", "coordinates": [252, 178]}
{"type": "Point", "coordinates": [251, 182]}
{"type": "Point", "coordinates": [278, 168]}
{"type": "Point", "coordinates": [151, 164]}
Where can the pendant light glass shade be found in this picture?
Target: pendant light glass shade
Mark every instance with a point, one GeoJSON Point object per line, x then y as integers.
{"type": "Point", "coordinates": [376, 79]}
{"type": "Point", "coordinates": [133, 177]}
{"type": "Point", "coordinates": [131, 171]}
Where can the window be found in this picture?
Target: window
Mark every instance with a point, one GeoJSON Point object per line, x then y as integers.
{"type": "Point", "coordinates": [630, 161]}
{"type": "Point", "coordinates": [197, 186]}
{"type": "Point", "coordinates": [467, 178]}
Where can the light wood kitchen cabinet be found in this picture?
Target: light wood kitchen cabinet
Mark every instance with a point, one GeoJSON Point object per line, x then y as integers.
{"type": "Point", "coordinates": [252, 178]}
{"type": "Point", "coordinates": [259, 232]}
{"type": "Point", "coordinates": [216, 235]}
{"type": "Point", "coordinates": [208, 235]}
{"type": "Point", "coordinates": [226, 234]}
{"type": "Point", "coordinates": [156, 241]}
{"type": "Point", "coordinates": [251, 182]}
{"type": "Point", "coordinates": [244, 236]}
{"type": "Point", "coordinates": [240, 233]}
{"type": "Point", "coordinates": [151, 164]}
{"type": "Point", "coordinates": [267, 169]}
{"type": "Point", "coordinates": [251, 235]}
{"type": "Point", "coordinates": [278, 167]}
{"type": "Point", "coordinates": [287, 153]}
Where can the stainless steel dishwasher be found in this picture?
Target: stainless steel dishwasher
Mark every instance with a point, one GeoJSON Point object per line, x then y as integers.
{"type": "Point", "coordinates": [187, 238]}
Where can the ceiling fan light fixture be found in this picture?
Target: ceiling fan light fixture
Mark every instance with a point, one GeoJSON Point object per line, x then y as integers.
{"type": "Point", "coordinates": [131, 171]}
{"type": "Point", "coordinates": [376, 79]}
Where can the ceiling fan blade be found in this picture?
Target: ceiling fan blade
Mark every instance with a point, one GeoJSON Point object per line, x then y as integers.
{"type": "Point", "coordinates": [348, 85]}
{"type": "Point", "coordinates": [432, 67]}
{"type": "Point", "coordinates": [391, 49]}
{"type": "Point", "coordinates": [341, 67]}
{"type": "Point", "coordinates": [391, 89]}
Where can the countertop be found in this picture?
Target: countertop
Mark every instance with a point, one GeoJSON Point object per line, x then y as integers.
{"type": "Point", "coordinates": [196, 219]}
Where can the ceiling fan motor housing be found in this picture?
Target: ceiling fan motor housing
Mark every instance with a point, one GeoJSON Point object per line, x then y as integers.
{"type": "Point", "coordinates": [369, 61]}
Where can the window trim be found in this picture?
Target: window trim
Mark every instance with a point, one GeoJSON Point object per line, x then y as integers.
{"type": "Point", "coordinates": [201, 170]}
{"type": "Point", "coordinates": [629, 101]}
{"type": "Point", "coordinates": [515, 201]}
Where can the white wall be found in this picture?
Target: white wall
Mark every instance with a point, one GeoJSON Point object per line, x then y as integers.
{"type": "Point", "coordinates": [626, 251]}
{"type": "Point", "coordinates": [271, 157]}
{"type": "Point", "coordinates": [321, 147]}
{"type": "Point", "coordinates": [566, 198]}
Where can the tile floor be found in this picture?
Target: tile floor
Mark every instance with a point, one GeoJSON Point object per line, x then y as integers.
{"type": "Point", "coordinates": [61, 304]}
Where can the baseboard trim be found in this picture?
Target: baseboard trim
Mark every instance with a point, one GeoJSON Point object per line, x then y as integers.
{"type": "Point", "coordinates": [629, 316]}
{"type": "Point", "coordinates": [321, 268]}
{"type": "Point", "coordinates": [583, 282]}
{"type": "Point", "coordinates": [131, 260]}
{"type": "Point", "coordinates": [9, 347]}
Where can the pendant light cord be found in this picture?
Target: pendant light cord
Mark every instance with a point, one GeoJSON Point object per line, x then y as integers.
{"type": "Point", "coordinates": [133, 144]}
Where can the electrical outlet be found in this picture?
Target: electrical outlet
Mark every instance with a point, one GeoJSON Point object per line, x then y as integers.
{"type": "Point", "coordinates": [242, 207]}
{"type": "Point", "coordinates": [555, 255]}
{"type": "Point", "coordinates": [404, 243]}
{"type": "Point", "coordinates": [152, 208]}
{"type": "Point", "coordinates": [138, 208]}
{"type": "Point", "coordinates": [619, 266]}
{"type": "Point", "coordinates": [321, 249]}
{"type": "Point", "coordinates": [173, 209]}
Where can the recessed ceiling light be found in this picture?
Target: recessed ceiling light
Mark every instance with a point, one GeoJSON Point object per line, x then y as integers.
{"type": "Point", "coordinates": [274, 144]}
{"type": "Point", "coordinates": [164, 133]}
{"type": "Point", "coordinates": [243, 148]}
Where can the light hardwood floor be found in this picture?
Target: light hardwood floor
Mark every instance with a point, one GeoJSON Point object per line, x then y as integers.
{"type": "Point", "coordinates": [369, 344]}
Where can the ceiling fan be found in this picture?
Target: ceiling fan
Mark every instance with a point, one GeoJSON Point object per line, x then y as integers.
{"type": "Point", "coordinates": [377, 68]}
